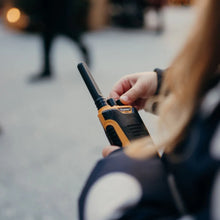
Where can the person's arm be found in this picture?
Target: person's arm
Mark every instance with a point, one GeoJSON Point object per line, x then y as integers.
{"type": "Point", "coordinates": [135, 89]}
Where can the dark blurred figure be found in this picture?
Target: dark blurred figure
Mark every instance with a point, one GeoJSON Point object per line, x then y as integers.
{"type": "Point", "coordinates": [2, 2]}
{"type": "Point", "coordinates": [66, 17]}
{"type": "Point", "coordinates": [130, 14]}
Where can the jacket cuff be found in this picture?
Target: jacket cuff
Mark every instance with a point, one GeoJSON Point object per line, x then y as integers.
{"type": "Point", "coordinates": [159, 79]}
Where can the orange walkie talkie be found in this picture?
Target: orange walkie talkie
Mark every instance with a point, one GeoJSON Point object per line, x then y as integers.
{"type": "Point", "coordinates": [121, 123]}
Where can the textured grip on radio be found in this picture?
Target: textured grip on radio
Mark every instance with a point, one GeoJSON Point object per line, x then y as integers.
{"type": "Point", "coordinates": [131, 124]}
{"type": "Point", "coordinates": [112, 136]}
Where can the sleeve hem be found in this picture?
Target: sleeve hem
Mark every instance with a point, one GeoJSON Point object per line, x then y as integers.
{"type": "Point", "coordinates": [159, 73]}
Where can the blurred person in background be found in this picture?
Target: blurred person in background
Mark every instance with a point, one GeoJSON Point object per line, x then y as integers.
{"type": "Point", "coordinates": [131, 14]}
{"type": "Point", "coordinates": [183, 183]}
{"type": "Point", "coordinates": [68, 18]}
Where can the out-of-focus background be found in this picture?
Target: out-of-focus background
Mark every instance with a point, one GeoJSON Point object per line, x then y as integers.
{"type": "Point", "coordinates": [50, 135]}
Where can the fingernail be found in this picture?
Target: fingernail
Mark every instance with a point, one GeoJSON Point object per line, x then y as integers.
{"type": "Point", "coordinates": [124, 98]}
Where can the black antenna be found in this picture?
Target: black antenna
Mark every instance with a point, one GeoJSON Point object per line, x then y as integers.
{"type": "Point", "coordinates": [91, 85]}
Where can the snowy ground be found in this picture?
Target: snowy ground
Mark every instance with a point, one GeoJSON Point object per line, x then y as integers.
{"type": "Point", "coordinates": [51, 136]}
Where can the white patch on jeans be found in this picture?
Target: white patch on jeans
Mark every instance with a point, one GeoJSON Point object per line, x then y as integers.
{"type": "Point", "coordinates": [210, 101]}
{"type": "Point", "coordinates": [215, 144]}
{"type": "Point", "coordinates": [109, 197]}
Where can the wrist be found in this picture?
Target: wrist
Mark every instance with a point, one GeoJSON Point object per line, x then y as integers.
{"type": "Point", "coordinates": [159, 74]}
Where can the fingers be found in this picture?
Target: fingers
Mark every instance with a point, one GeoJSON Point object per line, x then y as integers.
{"type": "Point", "coordinates": [123, 85]}
{"type": "Point", "coordinates": [132, 94]}
{"type": "Point", "coordinates": [109, 149]}
{"type": "Point", "coordinates": [135, 89]}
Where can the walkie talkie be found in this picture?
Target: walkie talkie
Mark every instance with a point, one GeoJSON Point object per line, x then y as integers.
{"type": "Point", "coordinates": [121, 123]}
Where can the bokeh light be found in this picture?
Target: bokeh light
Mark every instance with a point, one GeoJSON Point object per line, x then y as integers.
{"type": "Point", "coordinates": [13, 15]}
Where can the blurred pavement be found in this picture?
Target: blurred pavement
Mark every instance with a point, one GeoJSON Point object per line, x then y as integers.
{"type": "Point", "coordinates": [51, 135]}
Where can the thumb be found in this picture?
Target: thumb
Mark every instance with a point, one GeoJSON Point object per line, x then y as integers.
{"type": "Point", "coordinates": [131, 95]}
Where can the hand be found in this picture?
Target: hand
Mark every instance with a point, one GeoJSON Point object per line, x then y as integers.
{"type": "Point", "coordinates": [134, 89]}
{"type": "Point", "coordinates": [109, 149]}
